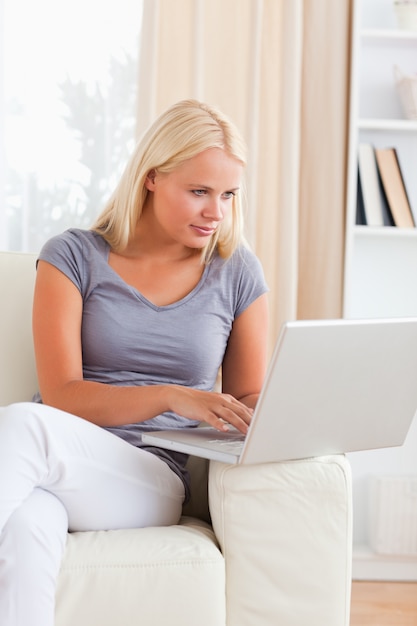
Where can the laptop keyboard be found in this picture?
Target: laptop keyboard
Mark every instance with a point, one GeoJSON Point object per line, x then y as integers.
{"type": "Point", "coordinates": [232, 442]}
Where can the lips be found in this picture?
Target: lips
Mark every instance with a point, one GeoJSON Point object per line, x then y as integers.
{"type": "Point", "coordinates": [203, 231]}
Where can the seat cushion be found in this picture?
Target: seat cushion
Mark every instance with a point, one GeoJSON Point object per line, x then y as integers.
{"type": "Point", "coordinates": [168, 575]}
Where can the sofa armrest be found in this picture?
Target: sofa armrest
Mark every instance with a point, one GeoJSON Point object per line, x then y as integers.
{"type": "Point", "coordinates": [285, 530]}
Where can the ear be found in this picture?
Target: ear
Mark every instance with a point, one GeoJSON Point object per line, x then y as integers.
{"type": "Point", "coordinates": [150, 180]}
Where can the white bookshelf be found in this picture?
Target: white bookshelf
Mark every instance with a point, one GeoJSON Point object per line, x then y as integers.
{"type": "Point", "coordinates": [380, 263]}
{"type": "Point", "coordinates": [395, 126]}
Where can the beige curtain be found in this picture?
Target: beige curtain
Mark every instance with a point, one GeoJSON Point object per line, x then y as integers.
{"type": "Point", "coordinates": [280, 69]}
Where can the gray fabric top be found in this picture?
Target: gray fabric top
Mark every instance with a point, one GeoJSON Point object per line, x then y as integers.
{"type": "Point", "coordinates": [127, 340]}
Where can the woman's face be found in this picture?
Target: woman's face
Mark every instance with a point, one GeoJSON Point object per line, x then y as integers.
{"type": "Point", "coordinates": [189, 203]}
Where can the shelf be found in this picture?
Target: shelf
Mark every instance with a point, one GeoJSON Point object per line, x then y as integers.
{"type": "Point", "coordinates": [391, 232]}
{"type": "Point", "coordinates": [388, 34]}
{"type": "Point", "coordinates": [393, 125]}
{"type": "Point", "coordinates": [380, 262]}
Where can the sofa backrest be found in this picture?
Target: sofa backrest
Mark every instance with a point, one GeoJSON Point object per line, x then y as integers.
{"type": "Point", "coordinates": [18, 381]}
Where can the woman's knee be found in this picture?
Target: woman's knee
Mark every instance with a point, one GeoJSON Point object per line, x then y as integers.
{"type": "Point", "coordinates": [18, 413]}
{"type": "Point", "coordinates": [28, 421]}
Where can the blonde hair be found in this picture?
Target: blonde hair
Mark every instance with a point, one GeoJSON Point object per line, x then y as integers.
{"type": "Point", "coordinates": [183, 131]}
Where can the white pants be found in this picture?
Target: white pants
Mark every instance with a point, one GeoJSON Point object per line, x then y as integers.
{"type": "Point", "coordinates": [60, 472]}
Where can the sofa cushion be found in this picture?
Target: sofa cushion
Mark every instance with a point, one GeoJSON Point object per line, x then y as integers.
{"type": "Point", "coordinates": [142, 576]}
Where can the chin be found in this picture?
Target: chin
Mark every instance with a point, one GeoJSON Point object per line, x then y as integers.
{"type": "Point", "coordinates": [198, 244]}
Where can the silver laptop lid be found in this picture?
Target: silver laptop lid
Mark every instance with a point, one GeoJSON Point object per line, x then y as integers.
{"type": "Point", "coordinates": [336, 386]}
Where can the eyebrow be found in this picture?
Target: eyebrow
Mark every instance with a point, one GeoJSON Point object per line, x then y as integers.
{"type": "Point", "coordinates": [198, 186]}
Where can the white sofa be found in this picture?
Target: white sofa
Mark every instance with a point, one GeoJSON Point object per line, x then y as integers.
{"type": "Point", "coordinates": [268, 545]}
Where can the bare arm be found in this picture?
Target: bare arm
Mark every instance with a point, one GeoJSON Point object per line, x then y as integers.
{"type": "Point", "coordinates": [244, 365]}
{"type": "Point", "coordinates": [57, 314]}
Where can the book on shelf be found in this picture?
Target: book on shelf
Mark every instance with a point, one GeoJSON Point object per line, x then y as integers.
{"type": "Point", "coordinates": [372, 207]}
{"type": "Point", "coordinates": [394, 187]}
{"type": "Point", "coordinates": [360, 209]}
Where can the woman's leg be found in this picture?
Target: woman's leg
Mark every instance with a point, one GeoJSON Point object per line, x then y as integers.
{"type": "Point", "coordinates": [31, 548]}
{"type": "Point", "coordinates": [103, 481]}
{"type": "Point", "coordinates": [57, 470]}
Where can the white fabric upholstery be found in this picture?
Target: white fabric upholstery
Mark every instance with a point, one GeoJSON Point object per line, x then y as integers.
{"type": "Point", "coordinates": [17, 364]}
{"type": "Point", "coordinates": [155, 576]}
{"type": "Point", "coordinates": [275, 524]}
{"type": "Point", "coordinates": [278, 552]}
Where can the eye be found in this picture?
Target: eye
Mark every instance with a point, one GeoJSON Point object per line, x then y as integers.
{"type": "Point", "coordinates": [229, 194]}
{"type": "Point", "coordinates": [199, 192]}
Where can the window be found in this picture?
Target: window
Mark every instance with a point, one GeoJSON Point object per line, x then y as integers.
{"type": "Point", "coordinates": [67, 112]}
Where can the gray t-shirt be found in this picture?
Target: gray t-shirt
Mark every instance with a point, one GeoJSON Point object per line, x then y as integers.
{"type": "Point", "coordinates": [128, 340]}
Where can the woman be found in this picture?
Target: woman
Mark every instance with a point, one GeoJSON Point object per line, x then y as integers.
{"type": "Point", "coordinates": [132, 321]}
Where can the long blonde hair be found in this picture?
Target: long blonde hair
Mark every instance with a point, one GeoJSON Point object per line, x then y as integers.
{"type": "Point", "coordinates": [183, 131]}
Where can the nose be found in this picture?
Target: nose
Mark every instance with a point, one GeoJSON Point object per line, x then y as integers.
{"type": "Point", "coordinates": [214, 209]}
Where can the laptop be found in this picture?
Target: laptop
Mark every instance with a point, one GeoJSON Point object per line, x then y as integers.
{"type": "Point", "coordinates": [332, 386]}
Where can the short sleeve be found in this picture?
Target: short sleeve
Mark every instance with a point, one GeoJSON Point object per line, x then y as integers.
{"type": "Point", "coordinates": [65, 252]}
{"type": "Point", "coordinates": [251, 283]}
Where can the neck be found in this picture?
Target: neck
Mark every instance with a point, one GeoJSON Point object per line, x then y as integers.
{"type": "Point", "coordinates": [146, 243]}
